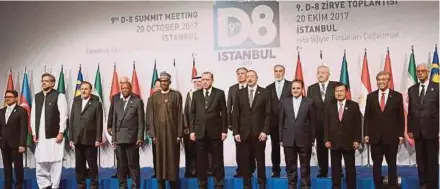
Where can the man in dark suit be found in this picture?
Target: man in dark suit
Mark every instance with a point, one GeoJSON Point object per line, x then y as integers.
{"type": "Point", "coordinates": [321, 92]}
{"type": "Point", "coordinates": [149, 105]}
{"type": "Point", "coordinates": [241, 79]}
{"type": "Point", "coordinates": [209, 130]}
{"type": "Point", "coordinates": [343, 134]}
{"type": "Point", "coordinates": [190, 147]}
{"type": "Point", "coordinates": [128, 134]}
{"type": "Point", "coordinates": [296, 130]}
{"type": "Point", "coordinates": [85, 134]}
{"type": "Point", "coordinates": [251, 127]}
{"type": "Point", "coordinates": [383, 128]}
{"type": "Point", "coordinates": [278, 90]}
{"type": "Point", "coordinates": [13, 132]}
{"type": "Point", "coordinates": [423, 123]}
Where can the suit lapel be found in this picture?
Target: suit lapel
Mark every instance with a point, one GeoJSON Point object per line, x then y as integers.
{"type": "Point", "coordinates": [118, 106]}
{"type": "Point", "coordinates": [290, 109]}
{"type": "Point", "coordinates": [429, 90]}
{"type": "Point", "coordinates": [256, 95]}
{"type": "Point", "coordinates": [285, 90]}
{"type": "Point", "coordinates": [301, 108]}
{"type": "Point", "coordinates": [211, 97]}
{"type": "Point", "coordinates": [345, 111]}
{"type": "Point", "coordinates": [89, 103]}
{"type": "Point", "coordinates": [417, 95]}
{"type": "Point", "coordinates": [126, 106]}
{"type": "Point", "coordinates": [328, 91]}
{"type": "Point", "coordinates": [11, 114]}
{"type": "Point", "coordinates": [389, 99]}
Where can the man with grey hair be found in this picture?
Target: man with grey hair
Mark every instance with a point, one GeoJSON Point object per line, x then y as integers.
{"type": "Point", "coordinates": [423, 123]}
{"type": "Point", "coordinates": [165, 126]}
{"type": "Point", "coordinates": [322, 93]}
{"type": "Point", "coordinates": [384, 126]}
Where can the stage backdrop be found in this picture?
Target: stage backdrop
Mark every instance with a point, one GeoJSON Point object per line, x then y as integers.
{"type": "Point", "coordinates": [221, 36]}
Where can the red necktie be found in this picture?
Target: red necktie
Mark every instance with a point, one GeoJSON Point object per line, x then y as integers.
{"type": "Point", "coordinates": [341, 111]}
{"type": "Point", "coordinates": [382, 102]}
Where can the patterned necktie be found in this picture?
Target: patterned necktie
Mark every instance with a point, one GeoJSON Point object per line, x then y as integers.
{"type": "Point", "coordinates": [323, 91]}
{"type": "Point", "coordinates": [382, 102]}
{"type": "Point", "coordinates": [341, 111]}
{"type": "Point", "coordinates": [251, 97]}
{"type": "Point", "coordinates": [422, 94]}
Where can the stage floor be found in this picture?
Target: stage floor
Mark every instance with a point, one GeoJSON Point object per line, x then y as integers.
{"type": "Point", "coordinates": [408, 179]}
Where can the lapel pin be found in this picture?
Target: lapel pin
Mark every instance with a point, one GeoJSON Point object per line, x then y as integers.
{"type": "Point", "coordinates": [432, 89]}
{"type": "Point", "coordinates": [15, 110]}
{"type": "Point", "coordinates": [90, 103]}
{"type": "Point", "coordinates": [50, 103]}
{"type": "Point", "coordinates": [166, 100]}
{"type": "Point", "coordinates": [346, 108]}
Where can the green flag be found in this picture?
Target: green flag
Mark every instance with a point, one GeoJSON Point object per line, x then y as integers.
{"type": "Point", "coordinates": [61, 88]}
{"type": "Point", "coordinates": [98, 92]}
{"type": "Point", "coordinates": [343, 78]}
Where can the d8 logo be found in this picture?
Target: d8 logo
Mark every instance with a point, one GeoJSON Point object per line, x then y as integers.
{"type": "Point", "coordinates": [246, 25]}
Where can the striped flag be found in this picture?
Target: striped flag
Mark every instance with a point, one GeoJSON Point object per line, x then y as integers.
{"type": "Point", "coordinates": [98, 93]}
{"type": "Point", "coordinates": [388, 69]}
{"type": "Point", "coordinates": [79, 79]}
{"type": "Point", "coordinates": [299, 74]}
{"type": "Point", "coordinates": [26, 103]}
{"type": "Point", "coordinates": [194, 70]}
{"type": "Point", "coordinates": [134, 82]}
{"type": "Point", "coordinates": [410, 78]}
{"type": "Point", "coordinates": [366, 84]}
{"type": "Point", "coordinates": [344, 78]}
{"type": "Point", "coordinates": [10, 84]}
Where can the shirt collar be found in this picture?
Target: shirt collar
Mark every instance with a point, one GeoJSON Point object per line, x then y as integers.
{"type": "Point", "coordinates": [209, 90]}
{"type": "Point", "coordinates": [386, 91]}
{"type": "Point", "coordinates": [295, 99]}
{"type": "Point", "coordinates": [122, 97]}
{"type": "Point", "coordinates": [426, 83]}
{"type": "Point", "coordinates": [325, 83]}
{"type": "Point", "coordinates": [11, 107]}
{"type": "Point", "coordinates": [280, 81]}
{"type": "Point", "coordinates": [343, 102]}
{"type": "Point", "coordinates": [244, 85]}
{"type": "Point", "coordinates": [254, 88]}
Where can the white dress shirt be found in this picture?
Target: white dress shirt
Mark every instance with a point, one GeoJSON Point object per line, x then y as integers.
{"type": "Point", "coordinates": [387, 91]}
{"type": "Point", "coordinates": [296, 104]}
{"type": "Point", "coordinates": [84, 103]}
{"type": "Point", "coordinates": [8, 112]}
{"type": "Point", "coordinates": [209, 91]}
{"type": "Point", "coordinates": [325, 88]}
{"type": "Point", "coordinates": [242, 86]}
{"type": "Point", "coordinates": [279, 87]}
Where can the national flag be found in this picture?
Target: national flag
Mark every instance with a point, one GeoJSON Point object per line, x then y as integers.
{"type": "Point", "coordinates": [174, 78]}
{"type": "Point", "coordinates": [388, 69]}
{"type": "Point", "coordinates": [366, 84]}
{"type": "Point", "coordinates": [26, 103]}
{"type": "Point", "coordinates": [78, 83]}
{"type": "Point", "coordinates": [194, 70]}
{"type": "Point", "coordinates": [134, 82]}
{"type": "Point", "coordinates": [10, 84]}
{"type": "Point", "coordinates": [61, 88]}
{"type": "Point", "coordinates": [115, 84]}
{"type": "Point", "coordinates": [299, 73]}
{"type": "Point", "coordinates": [344, 78]}
{"type": "Point", "coordinates": [435, 67]}
{"type": "Point", "coordinates": [409, 79]}
{"type": "Point", "coordinates": [98, 93]}
{"type": "Point", "coordinates": [153, 79]}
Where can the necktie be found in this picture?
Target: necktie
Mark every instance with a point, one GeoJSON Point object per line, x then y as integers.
{"type": "Point", "coordinates": [382, 102]}
{"type": "Point", "coordinates": [206, 99]}
{"type": "Point", "coordinates": [242, 86]}
{"type": "Point", "coordinates": [279, 89]}
{"type": "Point", "coordinates": [8, 113]}
{"type": "Point", "coordinates": [341, 111]}
{"type": "Point", "coordinates": [323, 91]}
{"type": "Point", "coordinates": [251, 97]}
{"type": "Point", "coordinates": [124, 103]}
{"type": "Point", "coordinates": [422, 94]}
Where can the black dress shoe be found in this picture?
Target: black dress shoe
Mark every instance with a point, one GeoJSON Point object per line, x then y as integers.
{"type": "Point", "coordinates": [276, 175]}
{"type": "Point", "coordinates": [115, 175]}
{"type": "Point", "coordinates": [321, 175]}
{"type": "Point", "coordinates": [153, 176]}
{"type": "Point", "coordinates": [237, 175]}
{"type": "Point", "coordinates": [209, 174]}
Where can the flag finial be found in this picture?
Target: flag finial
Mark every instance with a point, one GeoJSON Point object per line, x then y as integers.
{"type": "Point", "coordinates": [10, 70]}
{"type": "Point", "coordinates": [45, 68]}
{"type": "Point", "coordinates": [61, 67]}
{"type": "Point", "coordinates": [388, 49]}
{"type": "Point", "coordinates": [435, 46]}
{"type": "Point", "coordinates": [25, 69]}
{"type": "Point", "coordinates": [114, 66]}
{"type": "Point", "coordinates": [98, 65]}
{"type": "Point", "coordinates": [80, 67]}
{"type": "Point", "coordinates": [412, 48]}
{"type": "Point", "coordinates": [344, 52]}
{"type": "Point", "coordinates": [174, 62]}
{"type": "Point", "coordinates": [134, 64]}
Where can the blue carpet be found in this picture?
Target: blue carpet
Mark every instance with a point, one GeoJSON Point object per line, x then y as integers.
{"type": "Point", "coordinates": [364, 176]}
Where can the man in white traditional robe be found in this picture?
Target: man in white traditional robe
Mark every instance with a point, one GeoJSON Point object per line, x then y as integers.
{"type": "Point", "coordinates": [48, 122]}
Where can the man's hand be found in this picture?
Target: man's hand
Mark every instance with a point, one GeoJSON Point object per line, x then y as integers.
{"type": "Point", "coordinates": [186, 131]}
{"type": "Point", "coordinates": [367, 139]}
{"type": "Point", "coordinates": [155, 141]}
{"type": "Point", "coordinates": [72, 144]}
{"type": "Point", "coordinates": [411, 135]}
{"type": "Point", "coordinates": [109, 130]}
{"type": "Point", "coordinates": [281, 143]}
{"type": "Point", "coordinates": [192, 136]}
{"type": "Point", "coordinates": [97, 143]}
{"type": "Point", "coordinates": [328, 144]}
{"type": "Point", "coordinates": [21, 149]}
{"type": "Point", "coordinates": [355, 145]}
{"type": "Point", "coordinates": [35, 139]}
{"type": "Point", "coordinates": [400, 140]}
{"type": "Point", "coordinates": [262, 136]}
{"type": "Point", "coordinates": [224, 136]}
{"type": "Point", "coordinates": [59, 138]}
{"type": "Point", "coordinates": [178, 140]}
{"type": "Point", "coordinates": [114, 145]}
{"type": "Point", "coordinates": [139, 143]}
{"type": "Point", "coordinates": [237, 138]}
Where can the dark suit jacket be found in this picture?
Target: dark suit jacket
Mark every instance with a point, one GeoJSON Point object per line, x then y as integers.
{"type": "Point", "coordinates": [86, 125]}
{"type": "Point", "coordinates": [128, 125]}
{"type": "Point", "coordinates": [299, 130]}
{"type": "Point", "coordinates": [15, 131]}
{"type": "Point", "coordinates": [275, 102]}
{"type": "Point", "coordinates": [385, 126]}
{"type": "Point", "coordinates": [251, 121]}
{"type": "Point", "coordinates": [231, 101]}
{"type": "Point", "coordinates": [213, 120]}
{"type": "Point", "coordinates": [187, 111]}
{"type": "Point", "coordinates": [343, 133]}
{"type": "Point", "coordinates": [113, 99]}
{"type": "Point", "coordinates": [423, 120]}
{"type": "Point", "coordinates": [314, 92]}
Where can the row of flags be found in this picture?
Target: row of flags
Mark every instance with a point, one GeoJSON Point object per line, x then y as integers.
{"type": "Point", "coordinates": [26, 96]}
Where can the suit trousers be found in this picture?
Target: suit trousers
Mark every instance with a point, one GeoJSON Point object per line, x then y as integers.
{"type": "Point", "coordinates": [350, 168]}
{"type": "Point", "coordinates": [190, 155]}
{"type": "Point", "coordinates": [11, 155]}
{"type": "Point", "coordinates": [304, 153]}
{"type": "Point", "coordinates": [276, 153]}
{"type": "Point", "coordinates": [321, 152]}
{"type": "Point", "coordinates": [83, 154]}
{"type": "Point", "coordinates": [128, 161]}
{"type": "Point", "coordinates": [427, 162]}
{"type": "Point", "coordinates": [252, 149]}
{"type": "Point", "coordinates": [215, 146]}
{"type": "Point", "coordinates": [378, 151]}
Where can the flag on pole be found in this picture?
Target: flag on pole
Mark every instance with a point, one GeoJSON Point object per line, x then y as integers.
{"type": "Point", "coordinates": [174, 76]}
{"type": "Point", "coordinates": [115, 84]}
{"type": "Point", "coordinates": [435, 67]}
{"type": "Point", "coordinates": [153, 79]}
{"type": "Point", "coordinates": [299, 73]}
{"type": "Point", "coordinates": [78, 82]}
{"type": "Point", "coordinates": [344, 78]}
{"type": "Point", "coordinates": [98, 93]}
{"type": "Point", "coordinates": [194, 70]}
{"type": "Point", "coordinates": [26, 103]}
{"type": "Point", "coordinates": [410, 78]}
{"type": "Point", "coordinates": [61, 88]}
{"type": "Point", "coordinates": [366, 84]}
{"type": "Point", "coordinates": [135, 82]}
{"type": "Point", "coordinates": [10, 84]}
{"type": "Point", "coordinates": [388, 68]}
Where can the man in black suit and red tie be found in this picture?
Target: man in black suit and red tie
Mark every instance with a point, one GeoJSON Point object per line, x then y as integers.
{"type": "Point", "coordinates": [13, 132]}
{"type": "Point", "coordinates": [423, 123]}
{"type": "Point", "coordinates": [322, 93]}
{"type": "Point", "coordinates": [343, 134]}
{"type": "Point", "coordinates": [297, 129]}
{"type": "Point", "coordinates": [278, 90]}
{"type": "Point", "coordinates": [384, 125]}
{"type": "Point", "coordinates": [251, 127]}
